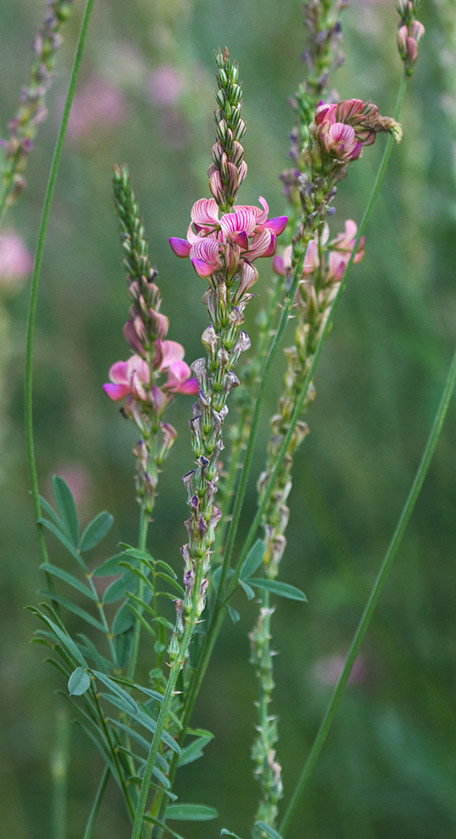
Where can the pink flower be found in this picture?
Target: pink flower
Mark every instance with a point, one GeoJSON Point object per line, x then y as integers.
{"type": "Point", "coordinates": [342, 129]}
{"type": "Point", "coordinates": [165, 85]}
{"type": "Point", "coordinates": [328, 669]}
{"type": "Point", "coordinates": [243, 235]}
{"type": "Point", "coordinates": [132, 378]}
{"type": "Point", "coordinates": [97, 107]}
{"type": "Point", "coordinates": [128, 378]}
{"type": "Point", "coordinates": [339, 248]}
{"type": "Point", "coordinates": [15, 260]}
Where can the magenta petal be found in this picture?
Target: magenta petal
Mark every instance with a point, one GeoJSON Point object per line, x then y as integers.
{"type": "Point", "coordinates": [277, 225]}
{"type": "Point", "coordinates": [180, 247]}
{"type": "Point", "coordinates": [116, 392]}
{"type": "Point", "coordinates": [191, 386]}
{"type": "Point", "coordinates": [278, 265]}
{"type": "Point", "coordinates": [241, 239]}
{"type": "Point", "coordinates": [203, 269]}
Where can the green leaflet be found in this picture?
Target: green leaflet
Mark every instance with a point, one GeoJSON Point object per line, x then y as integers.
{"type": "Point", "coordinates": [64, 540]}
{"type": "Point", "coordinates": [95, 531]}
{"type": "Point", "coordinates": [253, 560]}
{"type": "Point", "coordinates": [110, 568]}
{"type": "Point", "coordinates": [248, 589]}
{"type": "Point", "coordinates": [63, 637]}
{"type": "Point", "coordinates": [119, 692]}
{"type": "Point", "coordinates": [195, 750]}
{"type": "Point", "coordinates": [118, 589]}
{"type": "Point", "coordinates": [78, 682]}
{"type": "Point", "coordinates": [191, 812]}
{"type": "Point", "coordinates": [66, 508]}
{"type": "Point", "coordinates": [278, 588]}
{"type": "Point", "coordinates": [90, 651]}
{"type": "Point", "coordinates": [81, 613]}
{"type": "Point", "coordinates": [69, 579]}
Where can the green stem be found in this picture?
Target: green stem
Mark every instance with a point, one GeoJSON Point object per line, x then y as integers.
{"type": "Point", "coordinates": [114, 754]}
{"type": "Point", "coordinates": [142, 540]}
{"type": "Point", "coordinates": [59, 773]}
{"type": "Point", "coordinates": [374, 596]}
{"type": "Point", "coordinates": [161, 722]}
{"type": "Point", "coordinates": [31, 318]}
{"type": "Point", "coordinates": [97, 803]}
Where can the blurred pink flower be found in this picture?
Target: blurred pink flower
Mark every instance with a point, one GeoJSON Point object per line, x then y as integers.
{"type": "Point", "coordinates": [97, 107]}
{"type": "Point", "coordinates": [328, 669]}
{"type": "Point", "coordinates": [244, 234]}
{"type": "Point", "coordinates": [78, 479]}
{"type": "Point", "coordinates": [15, 260]}
{"type": "Point", "coordinates": [165, 85]}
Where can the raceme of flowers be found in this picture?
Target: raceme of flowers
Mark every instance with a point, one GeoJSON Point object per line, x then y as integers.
{"type": "Point", "coordinates": [231, 243]}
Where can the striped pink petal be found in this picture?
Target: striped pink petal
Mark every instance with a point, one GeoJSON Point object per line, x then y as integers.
{"type": "Point", "coordinates": [242, 220]}
{"type": "Point", "coordinates": [205, 212]}
{"type": "Point", "coordinates": [263, 244]}
{"type": "Point", "coordinates": [205, 257]}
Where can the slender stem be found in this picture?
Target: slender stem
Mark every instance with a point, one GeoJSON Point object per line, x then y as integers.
{"type": "Point", "coordinates": [102, 615]}
{"type": "Point", "coordinates": [36, 278]}
{"type": "Point", "coordinates": [97, 803]}
{"type": "Point", "coordinates": [374, 595]}
{"type": "Point", "coordinates": [161, 722]}
{"type": "Point", "coordinates": [142, 540]}
{"type": "Point", "coordinates": [114, 754]}
{"type": "Point", "coordinates": [59, 773]}
{"type": "Point", "coordinates": [219, 614]}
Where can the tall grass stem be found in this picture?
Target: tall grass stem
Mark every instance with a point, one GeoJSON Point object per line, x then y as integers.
{"type": "Point", "coordinates": [374, 596]}
{"type": "Point", "coordinates": [33, 301]}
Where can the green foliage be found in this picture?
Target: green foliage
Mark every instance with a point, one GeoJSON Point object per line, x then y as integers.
{"type": "Point", "coordinates": [278, 588]}
{"type": "Point", "coordinates": [95, 531]}
{"type": "Point", "coordinates": [78, 682]}
{"type": "Point", "coordinates": [191, 812]}
{"type": "Point", "coordinates": [253, 560]}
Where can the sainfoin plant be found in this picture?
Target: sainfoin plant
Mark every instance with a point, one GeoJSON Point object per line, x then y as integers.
{"type": "Point", "coordinates": [132, 634]}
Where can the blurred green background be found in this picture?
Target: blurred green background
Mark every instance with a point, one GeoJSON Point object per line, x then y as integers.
{"type": "Point", "coordinates": [389, 766]}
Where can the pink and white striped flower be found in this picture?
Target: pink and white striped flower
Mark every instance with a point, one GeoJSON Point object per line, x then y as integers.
{"type": "Point", "coordinates": [240, 236]}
